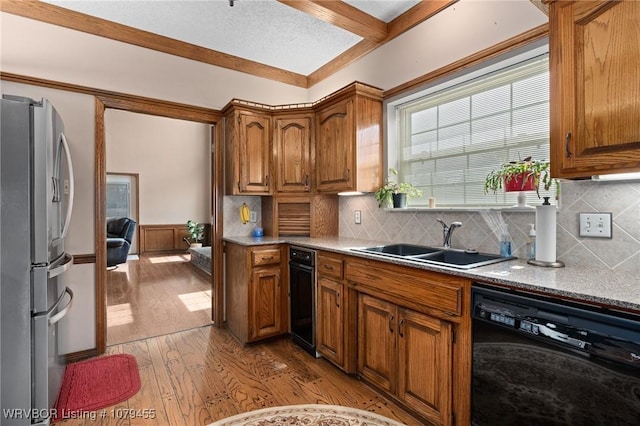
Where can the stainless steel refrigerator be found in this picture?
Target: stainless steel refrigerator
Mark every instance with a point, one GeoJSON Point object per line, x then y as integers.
{"type": "Point", "coordinates": [36, 175]}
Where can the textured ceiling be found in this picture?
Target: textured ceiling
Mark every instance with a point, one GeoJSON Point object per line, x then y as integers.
{"type": "Point", "coordinates": [264, 31]}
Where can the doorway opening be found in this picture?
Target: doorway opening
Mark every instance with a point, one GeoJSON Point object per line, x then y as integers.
{"type": "Point", "coordinates": [213, 283]}
{"type": "Point", "coordinates": [122, 201]}
{"type": "Point", "coordinates": [160, 291]}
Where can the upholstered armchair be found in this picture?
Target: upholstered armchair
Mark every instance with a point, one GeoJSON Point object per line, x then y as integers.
{"type": "Point", "coordinates": [119, 235]}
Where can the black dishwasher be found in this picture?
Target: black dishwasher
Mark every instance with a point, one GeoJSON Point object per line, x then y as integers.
{"type": "Point", "coordinates": [540, 361]}
{"type": "Point", "coordinates": [302, 297]}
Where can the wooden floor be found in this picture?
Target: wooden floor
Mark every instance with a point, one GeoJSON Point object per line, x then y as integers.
{"type": "Point", "coordinates": [156, 295]}
{"type": "Point", "coordinates": [202, 375]}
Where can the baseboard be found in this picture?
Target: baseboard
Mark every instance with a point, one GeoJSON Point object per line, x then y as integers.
{"type": "Point", "coordinates": [81, 355]}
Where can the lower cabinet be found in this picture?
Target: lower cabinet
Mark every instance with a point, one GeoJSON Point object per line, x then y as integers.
{"type": "Point", "coordinates": [265, 304]}
{"type": "Point", "coordinates": [407, 354]}
{"type": "Point", "coordinates": [329, 330]}
{"type": "Point", "coordinates": [256, 295]}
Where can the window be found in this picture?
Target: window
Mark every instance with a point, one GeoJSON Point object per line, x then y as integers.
{"type": "Point", "coordinates": [447, 139]}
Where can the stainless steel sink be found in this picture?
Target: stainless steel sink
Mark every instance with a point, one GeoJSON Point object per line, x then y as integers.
{"type": "Point", "coordinates": [461, 259]}
{"type": "Point", "coordinates": [401, 250]}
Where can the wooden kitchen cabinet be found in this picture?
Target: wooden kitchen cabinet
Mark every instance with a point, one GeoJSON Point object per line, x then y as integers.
{"type": "Point", "coordinates": [330, 323]}
{"type": "Point", "coordinates": [336, 314]}
{"type": "Point", "coordinates": [595, 89]}
{"type": "Point", "coordinates": [414, 337]}
{"type": "Point", "coordinates": [408, 354]}
{"type": "Point", "coordinates": [349, 140]}
{"type": "Point", "coordinates": [256, 294]}
{"type": "Point", "coordinates": [248, 152]}
{"type": "Point", "coordinates": [293, 138]}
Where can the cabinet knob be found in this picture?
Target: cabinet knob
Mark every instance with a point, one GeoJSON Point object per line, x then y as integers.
{"type": "Point", "coordinates": [567, 148]}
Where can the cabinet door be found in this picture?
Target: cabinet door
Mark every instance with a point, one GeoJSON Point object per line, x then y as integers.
{"type": "Point", "coordinates": [254, 150]}
{"type": "Point", "coordinates": [330, 323]}
{"type": "Point", "coordinates": [335, 141]}
{"type": "Point", "coordinates": [377, 327]}
{"type": "Point", "coordinates": [595, 90]}
{"type": "Point", "coordinates": [293, 153]}
{"type": "Point", "coordinates": [425, 365]}
{"type": "Point", "coordinates": [265, 307]}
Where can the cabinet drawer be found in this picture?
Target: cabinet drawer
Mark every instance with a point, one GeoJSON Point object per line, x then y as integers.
{"type": "Point", "coordinates": [265, 257]}
{"type": "Point", "coordinates": [330, 266]}
{"type": "Point", "coordinates": [431, 289]}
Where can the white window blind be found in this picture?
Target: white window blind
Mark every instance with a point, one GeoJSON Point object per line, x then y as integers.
{"type": "Point", "coordinates": [448, 141]}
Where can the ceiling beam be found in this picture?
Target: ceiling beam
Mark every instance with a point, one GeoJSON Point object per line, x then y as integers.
{"type": "Point", "coordinates": [56, 15]}
{"type": "Point", "coordinates": [412, 17]}
{"type": "Point", "coordinates": [342, 15]}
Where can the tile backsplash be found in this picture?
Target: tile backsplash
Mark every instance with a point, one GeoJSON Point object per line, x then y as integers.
{"type": "Point", "coordinates": [481, 229]}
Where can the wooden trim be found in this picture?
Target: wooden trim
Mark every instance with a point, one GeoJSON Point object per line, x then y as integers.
{"type": "Point", "coordinates": [403, 23]}
{"type": "Point", "coordinates": [153, 107]}
{"type": "Point", "coordinates": [178, 231]}
{"type": "Point", "coordinates": [374, 31]}
{"type": "Point", "coordinates": [100, 228]}
{"type": "Point", "coordinates": [60, 16]}
{"type": "Point", "coordinates": [81, 259]}
{"type": "Point", "coordinates": [124, 101]}
{"type": "Point", "coordinates": [80, 355]}
{"type": "Point", "coordinates": [520, 40]}
{"type": "Point", "coordinates": [344, 16]}
{"type": "Point", "coordinates": [217, 204]}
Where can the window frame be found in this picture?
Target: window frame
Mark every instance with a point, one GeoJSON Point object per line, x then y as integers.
{"type": "Point", "coordinates": [443, 82]}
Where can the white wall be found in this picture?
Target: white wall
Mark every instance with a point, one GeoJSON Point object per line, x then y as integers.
{"type": "Point", "coordinates": [38, 49]}
{"type": "Point", "coordinates": [172, 159]}
{"type": "Point", "coordinates": [455, 33]}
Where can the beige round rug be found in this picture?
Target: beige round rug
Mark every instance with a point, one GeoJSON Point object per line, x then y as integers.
{"type": "Point", "coordinates": [307, 415]}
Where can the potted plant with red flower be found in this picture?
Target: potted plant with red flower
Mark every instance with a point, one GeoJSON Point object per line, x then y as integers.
{"type": "Point", "coordinates": [521, 175]}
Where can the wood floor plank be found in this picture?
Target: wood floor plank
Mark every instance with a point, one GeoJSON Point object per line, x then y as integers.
{"type": "Point", "coordinates": [160, 369]}
{"type": "Point", "coordinates": [172, 412]}
{"type": "Point", "coordinates": [222, 407]}
{"type": "Point", "coordinates": [192, 405]}
{"type": "Point", "coordinates": [156, 295]}
{"type": "Point", "coordinates": [146, 406]}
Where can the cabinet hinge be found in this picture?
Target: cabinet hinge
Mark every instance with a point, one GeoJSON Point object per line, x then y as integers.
{"type": "Point", "coordinates": [453, 337]}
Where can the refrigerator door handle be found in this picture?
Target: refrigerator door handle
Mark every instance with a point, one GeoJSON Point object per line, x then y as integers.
{"type": "Point", "coordinates": [68, 261]}
{"type": "Point", "coordinates": [67, 151]}
{"type": "Point", "coordinates": [57, 317]}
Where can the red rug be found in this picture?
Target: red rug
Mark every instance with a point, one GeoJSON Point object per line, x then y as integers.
{"type": "Point", "coordinates": [97, 383]}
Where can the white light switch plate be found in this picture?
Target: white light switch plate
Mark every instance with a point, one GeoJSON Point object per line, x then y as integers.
{"type": "Point", "coordinates": [357, 216]}
{"type": "Point", "coordinates": [253, 217]}
{"type": "Point", "coordinates": [597, 225]}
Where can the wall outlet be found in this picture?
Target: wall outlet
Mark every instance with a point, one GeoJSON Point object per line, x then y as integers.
{"type": "Point", "coordinates": [253, 217]}
{"type": "Point", "coordinates": [596, 225]}
{"type": "Point", "coordinates": [357, 217]}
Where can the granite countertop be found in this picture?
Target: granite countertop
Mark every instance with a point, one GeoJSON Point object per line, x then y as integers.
{"type": "Point", "coordinates": [599, 286]}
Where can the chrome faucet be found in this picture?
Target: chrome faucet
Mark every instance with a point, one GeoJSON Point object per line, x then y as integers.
{"type": "Point", "coordinates": [447, 231]}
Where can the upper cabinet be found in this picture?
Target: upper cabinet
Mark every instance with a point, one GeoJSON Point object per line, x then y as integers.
{"type": "Point", "coordinates": [332, 146]}
{"type": "Point", "coordinates": [595, 87]}
{"type": "Point", "coordinates": [293, 136]}
{"type": "Point", "coordinates": [348, 154]}
{"type": "Point", "coordinates": [248, 152]}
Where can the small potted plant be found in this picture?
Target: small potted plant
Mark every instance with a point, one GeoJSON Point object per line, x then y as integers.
{"type": "Point", "coordinates": [196, 233]}
{"type": "Point", "coordinates": [521, 175]}
{"type": "Point", "coordinates": [394, 193]}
